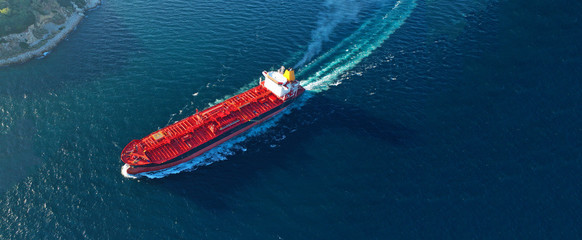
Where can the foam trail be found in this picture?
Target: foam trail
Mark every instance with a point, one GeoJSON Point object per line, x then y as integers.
{"type": "Point", "coordinates": [358, 48]}
{"type": "Point", "coordinates": [345, 56]}
{"type": "Point", "coordinates": [338, 11]}
{"type": "Point", "coordinates": [125, 174]}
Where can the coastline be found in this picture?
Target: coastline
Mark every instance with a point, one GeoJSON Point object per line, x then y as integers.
{"type": "Point", "coordinates": [69, 25]}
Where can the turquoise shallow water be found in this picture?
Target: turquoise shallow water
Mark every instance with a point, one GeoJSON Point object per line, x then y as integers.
{"type": "Point", "coordinates": [424, 119]}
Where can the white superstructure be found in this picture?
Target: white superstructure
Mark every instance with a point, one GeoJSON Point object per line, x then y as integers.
{"type": "Point", "coordinates": [282, 83]}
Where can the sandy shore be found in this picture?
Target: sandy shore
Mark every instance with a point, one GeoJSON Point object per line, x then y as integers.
{"type": "Point", "coordinates": [68, 27]}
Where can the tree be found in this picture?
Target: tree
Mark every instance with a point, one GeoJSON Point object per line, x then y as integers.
{"type": "Point", "coordinates": [5, 11]}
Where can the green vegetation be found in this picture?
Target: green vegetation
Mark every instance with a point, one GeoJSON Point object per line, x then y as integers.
{"type": "Point", "coordinates": [17, 17]}
{"type": "Point", "coordinates": [39, 32]}
{"type": "Point", "coordinates": [59, 19]}
{"type": "Point", "coordinates": [23, 45]}
{"type": "Point", "coordinates": [5, 11]}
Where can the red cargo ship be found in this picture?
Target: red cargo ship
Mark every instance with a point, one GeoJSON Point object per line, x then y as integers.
{"type": "Point", "coordinates": [186, 139]}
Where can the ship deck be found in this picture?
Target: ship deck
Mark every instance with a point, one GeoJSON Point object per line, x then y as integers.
{"type": "Point", "coordinates": [183, 136]}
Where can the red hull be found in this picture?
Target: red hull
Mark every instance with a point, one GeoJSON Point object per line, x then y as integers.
{"type": "Point", "coordinates": [134, 170]}
{"type": "Point", "coordinates": [184, 140]}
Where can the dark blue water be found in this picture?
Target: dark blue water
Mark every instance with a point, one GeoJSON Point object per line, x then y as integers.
{"type": "Point", "coordinates": [423, 120]}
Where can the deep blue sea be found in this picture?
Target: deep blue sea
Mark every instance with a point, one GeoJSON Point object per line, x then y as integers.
{"type": "Point", "coordinates": [424, 119]}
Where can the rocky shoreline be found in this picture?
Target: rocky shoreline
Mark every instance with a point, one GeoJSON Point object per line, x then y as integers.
{"type": "Point", "coordinates": [44, 45]}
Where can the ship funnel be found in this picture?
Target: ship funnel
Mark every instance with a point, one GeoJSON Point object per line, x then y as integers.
{"type": "Point", "coordinates": [289, 74]}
